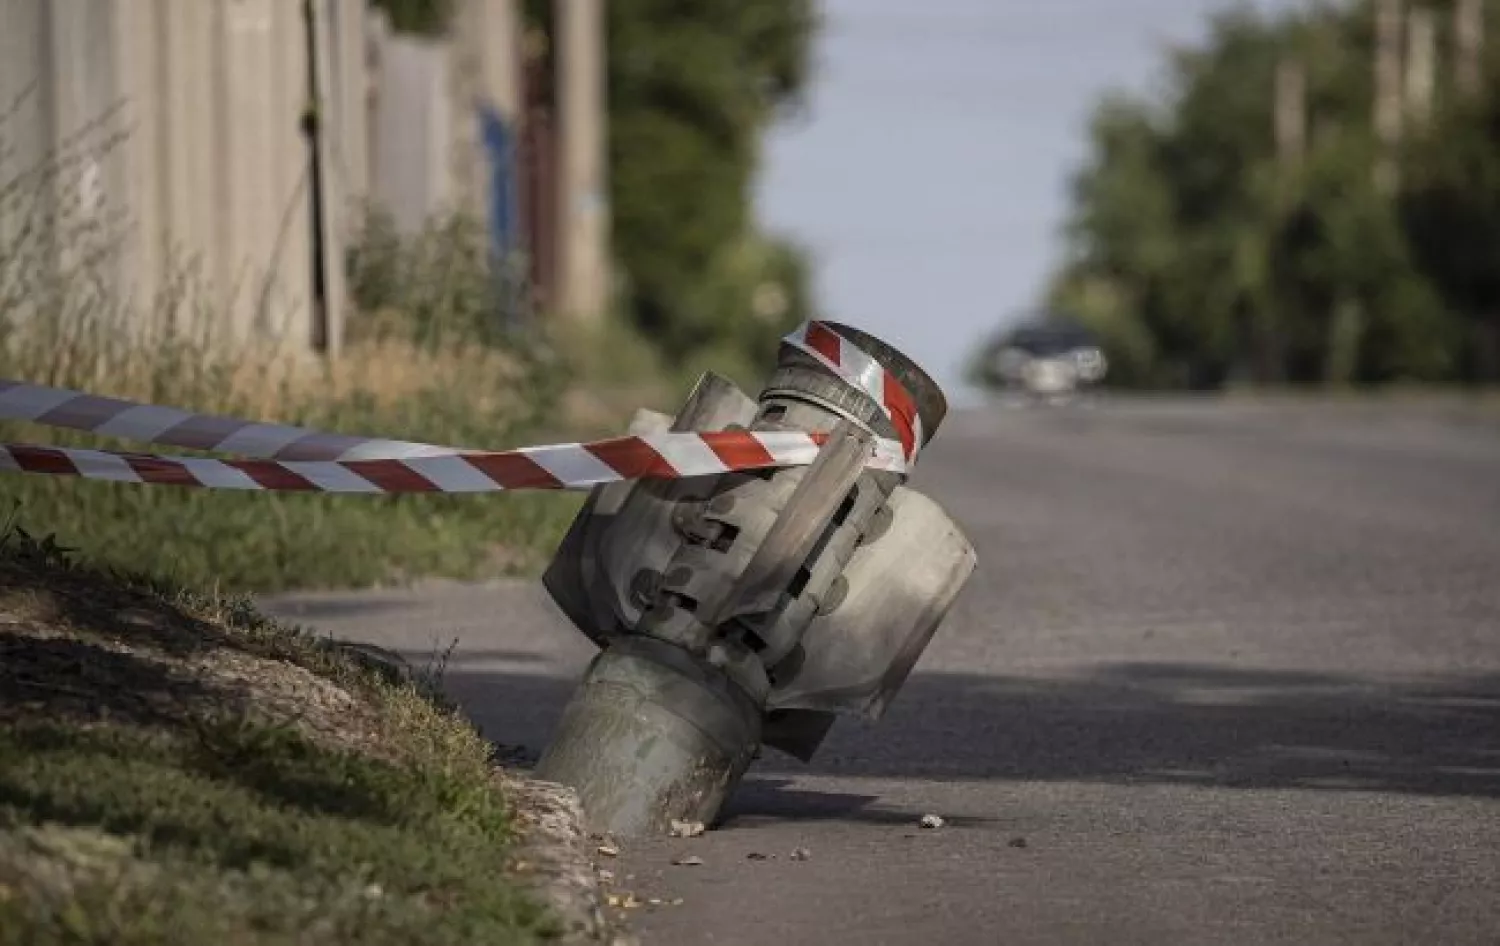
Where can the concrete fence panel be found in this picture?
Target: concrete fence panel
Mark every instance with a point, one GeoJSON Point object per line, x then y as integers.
{"type": "Point", "coordinates": [224, 148]}
{"type": "Point", "coordinates": [413, 170]}
{"type": "Point", "coordinates": [212, 176]}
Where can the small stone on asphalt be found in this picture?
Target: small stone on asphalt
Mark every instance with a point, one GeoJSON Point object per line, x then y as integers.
{"type": "Point", "coordinates": [1017, 842]}
{"type": "Point", "coordinates": [609, 850]}
{"type": "Point", "coordinates": [692, 860]}
{"type": "Point", "coordinates": [801, 854]}
{"type": "Point", "coordinates": [687, 829]}
{"type": "Point", "coordinates": [755, 856]}
{"type": "Point", "coordinates": [932, 821]}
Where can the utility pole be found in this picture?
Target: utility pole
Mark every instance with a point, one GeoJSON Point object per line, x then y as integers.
{"type": "Point", "coordinates": [583, 195]}
{"type": "Point", "coordinates": [1468, 42]}
{"type": "Point", "coordinates": [1346, 328]}
{"type": "Point", "coordinates": [1387, 105]}
{"type": "Point", "coordinates": [330, 196]}
{"type": "Point", "coordinates": [1289, 127]}
{"type": "Point", "coordinates": [1291, 112]}
{"type": "Point", "coordinates": [1468, 63]}
{"type": "Point", "coordinates": [1421, 63]}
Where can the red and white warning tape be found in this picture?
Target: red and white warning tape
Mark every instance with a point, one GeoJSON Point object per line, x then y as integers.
{"type": "Point", "coordinates": [148, 423]}
{"type": "Point", "coordinates": [555, 466]}
{"type": "Point", "coordinates": [284, 458]}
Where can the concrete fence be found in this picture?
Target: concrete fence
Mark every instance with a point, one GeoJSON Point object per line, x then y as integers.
{"type": "Point", "coordinates": [234, 143]}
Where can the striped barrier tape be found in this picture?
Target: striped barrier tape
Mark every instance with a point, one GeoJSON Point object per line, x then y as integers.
{"type": "Point", "coordinates": [858, 368]}
{"type": "Point", "coordinates": [148, 423]}
{"type": "Point", "coordinates": [286, 458]}
{"type": "Point", "coordinates": [555, 466]}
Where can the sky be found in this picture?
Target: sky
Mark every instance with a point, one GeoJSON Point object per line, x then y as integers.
{"type": "Point", "coordinates": [929, 174]}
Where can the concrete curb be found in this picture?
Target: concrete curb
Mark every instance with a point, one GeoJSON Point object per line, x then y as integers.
{"type": "Point", "coordinates": [553, 856]}
{"type": "Point", "coordinates": [554, 859]}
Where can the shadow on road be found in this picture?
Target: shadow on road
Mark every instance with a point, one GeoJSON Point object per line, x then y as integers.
{"type": "Point", "coordinates": [1171, 723]}
{"type": "Point", "coordinates": [1130, 723]}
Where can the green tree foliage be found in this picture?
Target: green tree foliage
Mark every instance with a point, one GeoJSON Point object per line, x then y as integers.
{"type": "Point", "coordinates": [693, 86]}
{"type": "Point", "coordinates": [1203, 256]}
{"type": "Point", "coordinates": [426, 17]}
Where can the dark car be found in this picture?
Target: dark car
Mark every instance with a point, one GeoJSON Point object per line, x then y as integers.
{"type": "Point", "coordinates": [1050, 357]}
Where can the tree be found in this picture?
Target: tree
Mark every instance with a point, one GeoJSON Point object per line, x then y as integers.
{"type": "Point", "coordinates": [693, 85]}
{"type": "Point", "coordinates": [1452, 211]}
{"type": "Point", "coordinates": [1123, 246]}
{"type": "Point", "coordinates": [1205, 247]}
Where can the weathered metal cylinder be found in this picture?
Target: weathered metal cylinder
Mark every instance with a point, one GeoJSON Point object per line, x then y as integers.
{"type": "Point", "coordinates": [652, 736]}
{"type": "Point", "coordinates": [671, 712]}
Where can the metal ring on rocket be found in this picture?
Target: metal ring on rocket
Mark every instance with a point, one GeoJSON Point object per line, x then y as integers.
{"type": "Point", "coordinates": [844, 351]}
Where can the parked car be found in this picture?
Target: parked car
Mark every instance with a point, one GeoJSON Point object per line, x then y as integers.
{"type": "Point", "coordinates": [1050, 358]}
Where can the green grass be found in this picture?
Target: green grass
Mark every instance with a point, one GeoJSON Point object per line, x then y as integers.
{"type": "Point", "coordinates": [257, 541]}
{"type": "Point", "coordinates": [176, 769]}
{"type": "Point", "coordinates": [422, 368]}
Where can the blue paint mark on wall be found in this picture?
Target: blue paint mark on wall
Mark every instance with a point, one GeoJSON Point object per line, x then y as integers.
{"type": "Point", "coordinates": [500, 149]}
{"type": "Point", "coordinates": [505, 225]}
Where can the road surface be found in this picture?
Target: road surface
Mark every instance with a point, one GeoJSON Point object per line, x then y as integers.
{"type": "Point", "coordinates": [1225, 675]}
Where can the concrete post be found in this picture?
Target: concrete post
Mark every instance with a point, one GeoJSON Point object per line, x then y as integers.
{"type": "Point", "coordinates": [1388, 114]}
{"type": "Point", "coordinates": [330, 193]}
{"type": "Point", "coordinates": [1421, 65]}
{"type": "Point", "coordinates": [583, 194]}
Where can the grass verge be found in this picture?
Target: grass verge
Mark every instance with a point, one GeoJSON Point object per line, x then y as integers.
{"type": "Point", "coordinates": [453, 394]}
{"type": "Point", "coordinates": [425, 361]}
{"type": "Point", "coordinates": [176, 769]}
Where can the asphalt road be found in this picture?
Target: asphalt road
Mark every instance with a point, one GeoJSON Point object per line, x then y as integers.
{"type": "Point", "coordinates": [1225, 675]}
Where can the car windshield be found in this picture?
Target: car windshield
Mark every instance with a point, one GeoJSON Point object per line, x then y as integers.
{"type": "Point", "coordinates": [1045, 340]}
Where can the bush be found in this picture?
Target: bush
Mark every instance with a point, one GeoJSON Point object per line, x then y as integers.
{"type": "Point", "coordinates": [441, 284]}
